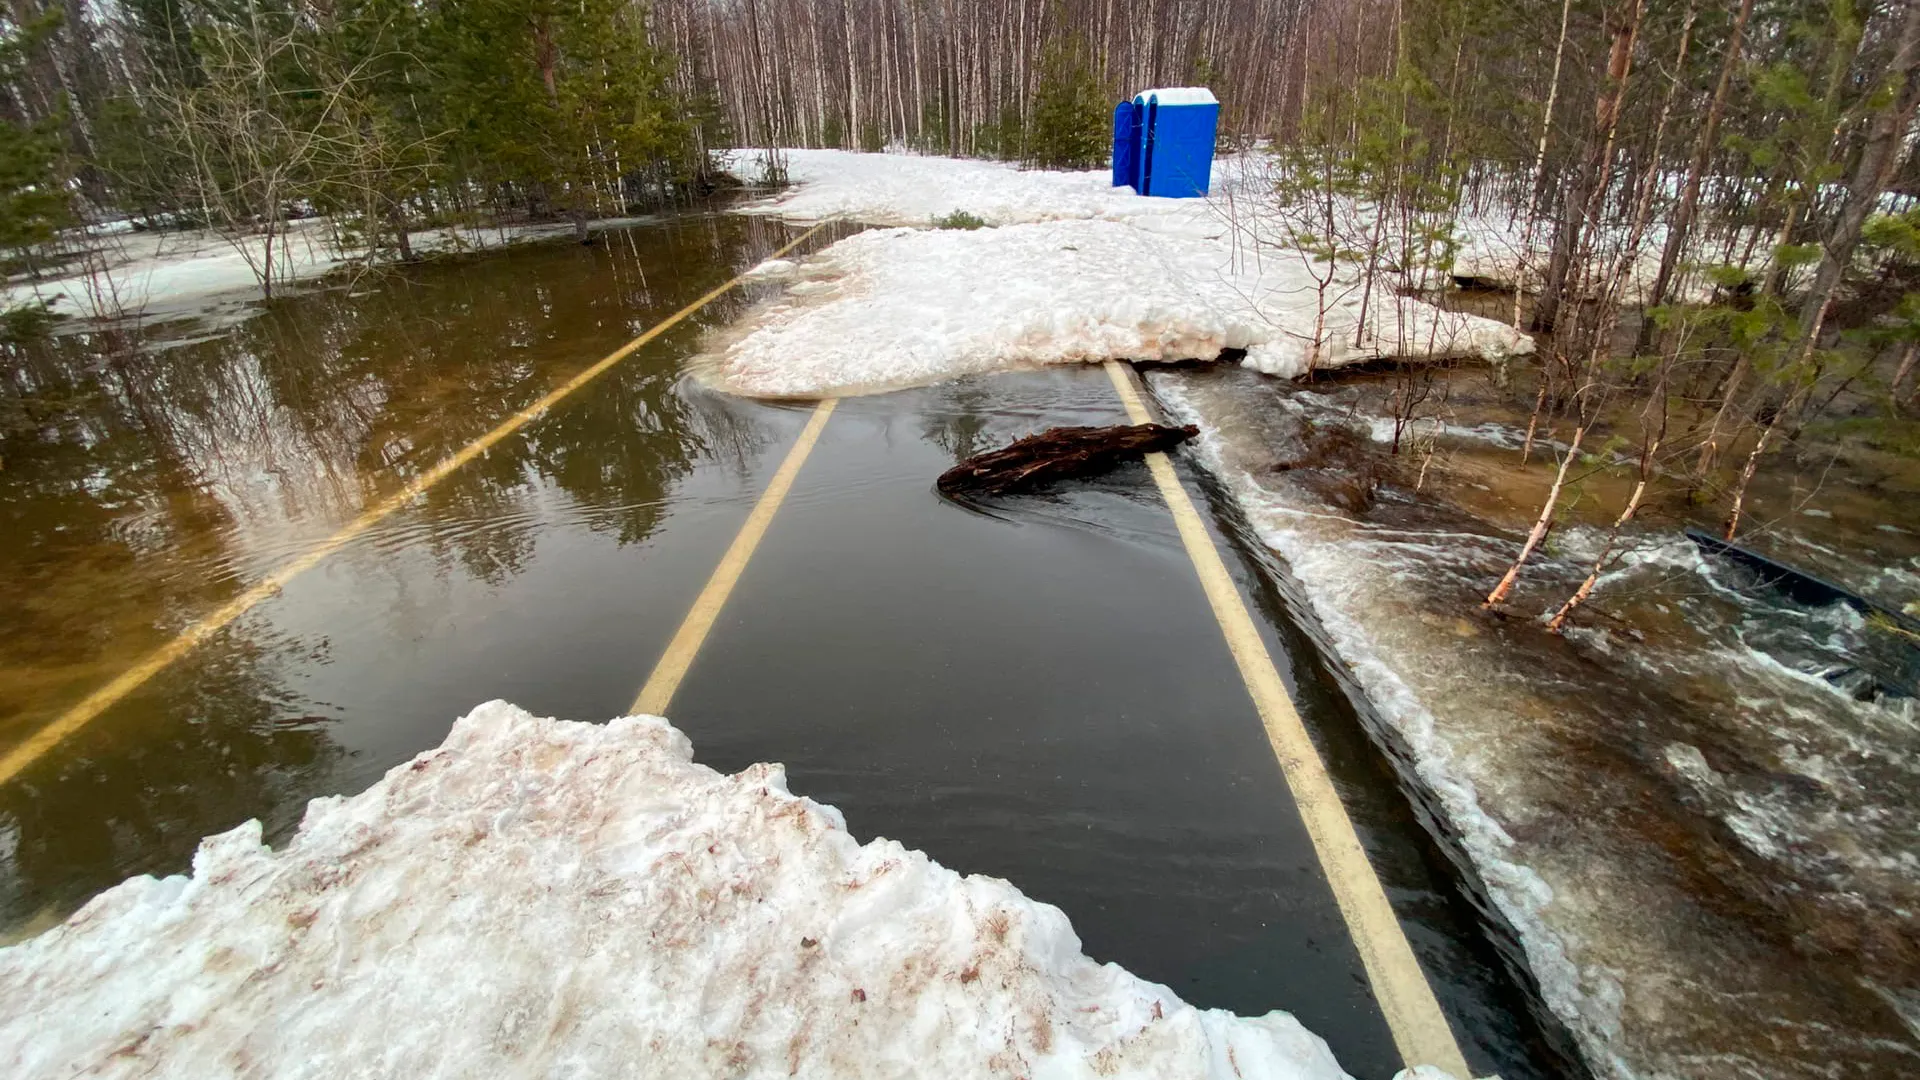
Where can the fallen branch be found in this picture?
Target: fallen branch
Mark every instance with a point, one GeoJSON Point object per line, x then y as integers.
{"type": "Point", "coordinates": [1058, 454]}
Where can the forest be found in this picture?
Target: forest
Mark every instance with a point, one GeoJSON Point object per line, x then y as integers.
{"type": "Point", "coordinates": [1711, 199]}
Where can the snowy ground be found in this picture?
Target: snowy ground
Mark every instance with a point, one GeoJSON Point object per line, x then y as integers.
{"type": "Point", "coordinates": [1074, 271]}
{"type": "Point", "coordinates": [538, 897]}
{"type": "Point", "coordinates": [159, 275]}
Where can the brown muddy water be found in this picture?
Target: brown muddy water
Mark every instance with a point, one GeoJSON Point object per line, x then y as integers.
{"type": "Point", "coordinates": [1036, 691]}
{"type": "Point", "coordinates": [1697, 811]}
{"type": "Point", "coordinates": [151, 474]}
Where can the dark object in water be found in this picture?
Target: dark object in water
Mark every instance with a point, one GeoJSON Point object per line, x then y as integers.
{"type": "Point", "coordinates": [1797, 585]}
{"type": "Point", "coordinates": [1057, 454]}
{"type": "Point", "coordinates": [1862, 678]}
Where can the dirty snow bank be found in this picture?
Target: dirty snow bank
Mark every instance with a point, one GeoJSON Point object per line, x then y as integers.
{"type": "Point", "coordinates": [540, 897]}
{"type": "Point", "coordinates": [901, 307]}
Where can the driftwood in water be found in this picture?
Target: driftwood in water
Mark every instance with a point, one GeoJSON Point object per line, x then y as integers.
{"type": "Point", "coordinates": [1058, 454]}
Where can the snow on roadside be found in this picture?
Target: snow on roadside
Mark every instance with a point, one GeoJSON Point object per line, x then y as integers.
{"type": "Point", "coordinates": [1075, 273]}
{"type": "Point", "coordinates": [910, 189]}
{"type": "Point", "coordinates": [158, 275]}
{"type": "Point", "coordinates": [1344, 579]}
{"type": "Point", "coordinates": [550, 898]}
{"type": "Point", "coordinates": [1495, 246]}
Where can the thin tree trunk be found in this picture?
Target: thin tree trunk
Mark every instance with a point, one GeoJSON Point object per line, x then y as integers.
{"type": "Point", "coordinates": [1775, 277]}
{"type": "Point", "coordinates": [397, 218]}
{"type": "Point", "coordinates": [1880, 156]}
{"type": "Point", "coordinates": [1559, 620]}
{"type": "Point", "coordinates": [1746, 474]}
{"type": "Point", "coordinates": [1533, 422]}
{"type": "Point", "coordinates": [1907, 357]}
{"type": "Point", "coordinates": [1590, 184]}
{"type": "Point", "coordinates": [1682, 219]}
{"type": "Point", "coordinates": [1501, 591]}
{"type": "Point", "coordinates": [1540, 164]}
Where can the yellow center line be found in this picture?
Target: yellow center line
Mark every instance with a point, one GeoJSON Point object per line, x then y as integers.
{"type": "Point", "coordinates": [37, 744]}
{"type": "Point", "coordinates": [673, 665]}
{"type": "Point", "coordinates": [1420, 1029]}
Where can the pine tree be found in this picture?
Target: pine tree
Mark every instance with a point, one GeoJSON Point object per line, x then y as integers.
{"type": "Point", "coordinates": [34, 204]}
{"type": "Point", "coordinates": [563, 100]}
{"type": "Point", "coordinates": [1071, 114]}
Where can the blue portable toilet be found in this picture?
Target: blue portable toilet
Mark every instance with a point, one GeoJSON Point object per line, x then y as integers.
{"type": "Point", "coordinates": [1163, 141]}
{"type": "Point", "coordinates": [1126, 143]}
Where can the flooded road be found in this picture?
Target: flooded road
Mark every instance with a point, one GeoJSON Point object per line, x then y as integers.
{"type": "Point", "coordinates": [1700, 819]}
{"type": "Point", "coordinates": [167, 477]}
{"type": "Point", "coordinates": [1032, 690]}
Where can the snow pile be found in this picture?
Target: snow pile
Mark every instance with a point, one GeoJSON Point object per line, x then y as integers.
{"type": "Point", "coordinates": [1498, 249]}
{"type": "Point", "coordinates": [1495, 246]}
{"type": "Point", "coordinates": [548, 898]}
{"type": "Point", "coordinates": [908, 189]}
{"type": "Point", "coordinates": [901, 307]}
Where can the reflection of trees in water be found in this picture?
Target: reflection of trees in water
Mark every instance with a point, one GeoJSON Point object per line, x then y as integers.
{"type": "Point", "coordinates": [225, 742]}
{"type": "Point", "coordinates": [959, 418]}
{"type": "Point", "coordinates": [149, 484]}
{"type": "Point", "coordinates": [99, 512]}
{"type": "Point", "coordinates": [160, 472]}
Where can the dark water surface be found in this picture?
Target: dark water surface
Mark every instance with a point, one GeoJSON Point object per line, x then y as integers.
{"type": "Point", "coordinates": [550, 572]}
{"type": "Point", "coordinates": [1036, 691]}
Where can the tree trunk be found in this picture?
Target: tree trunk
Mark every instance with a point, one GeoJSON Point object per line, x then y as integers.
{"type": "Point", "coordinates": [1540, 163]}
{"type": "Point", "coordinates": [1589, 186]}
{"type": "Point", "coordinates": [397, 218]}
{"type": "Point", "coordinates": [852, 139]}
{"type": "Point", "coordinates": [1880, 156]}
{"type": "Point", "coordinates": [1501, 591]}
{"type": "Point", "coordinates": [1559, 620]}
{"type": "Point", "coordinates": [1746, 474]}
{"type": "Point", "coordinates": [1682, 220]}
{"type": "Point", "coordinates": [1907, 356]}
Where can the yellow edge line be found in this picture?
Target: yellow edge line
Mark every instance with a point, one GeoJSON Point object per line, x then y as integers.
{"type": "Point", "coordinates": [1420, 1029]}
{"type": "Point", "coordinates": [658, 692]}
{"type": "Point", "coordinates": [37, 744]}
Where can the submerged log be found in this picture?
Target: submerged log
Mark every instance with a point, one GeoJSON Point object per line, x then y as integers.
{"type": "Point", "coordinates": [1058, 454]}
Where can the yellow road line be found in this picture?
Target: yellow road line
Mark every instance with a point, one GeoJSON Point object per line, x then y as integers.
{"type": "Point", "coordinates": [1420, 1029]}
{"type": "Point", "coordinates": [29, 750]}
{"type": "Point", "coordinates": [673, 665]}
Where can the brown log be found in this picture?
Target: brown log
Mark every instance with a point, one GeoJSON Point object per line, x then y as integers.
{"type": "Point", "coordinates": [1058, 454]}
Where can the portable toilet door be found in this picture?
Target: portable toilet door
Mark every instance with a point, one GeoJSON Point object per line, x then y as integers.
{"type": "Point", "coordinates": [1176, 148]}
{"type": "Point", "coordinates": [1126, 144]}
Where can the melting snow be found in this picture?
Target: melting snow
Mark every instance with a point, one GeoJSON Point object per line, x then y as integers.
{"type": "Point", "coordinates": [539, 897]}
{"type": "Point", "coordinates": [169, 274]}
{"type": "Point", "coordinates": [1077, 272]}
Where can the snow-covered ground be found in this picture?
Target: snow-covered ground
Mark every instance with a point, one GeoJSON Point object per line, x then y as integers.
{"type": "Point", "coordinates": [547, 898]}
{"type": "Point", "coordinates": [159, 275]}
{"type": "Point", "coordinates": [1073, 271]}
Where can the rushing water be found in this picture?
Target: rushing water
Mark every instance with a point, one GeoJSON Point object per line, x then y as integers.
{"type": "Point", "coordinates": [1694, 809]}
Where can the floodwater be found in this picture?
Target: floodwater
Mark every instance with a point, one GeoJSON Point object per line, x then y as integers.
{"type": "Point", "coordinates": [1701, 809]}
{"type": "Point", "coordinates": [1033, 689]}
